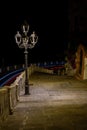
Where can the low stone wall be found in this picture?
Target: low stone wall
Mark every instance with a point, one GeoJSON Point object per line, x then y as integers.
{"type": "Point", "coordinates": [40, 69]}
{"type": "Point", "coordinates": [9, 95]}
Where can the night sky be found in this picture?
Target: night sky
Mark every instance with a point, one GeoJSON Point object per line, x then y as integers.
{"type": "Point", "coordinates": [50, 22]}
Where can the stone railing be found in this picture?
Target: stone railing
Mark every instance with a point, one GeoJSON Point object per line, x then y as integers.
{"type": "Point", "coordinates": [9, 95]}
{"type": "Point", "coordinates": [41, 69]}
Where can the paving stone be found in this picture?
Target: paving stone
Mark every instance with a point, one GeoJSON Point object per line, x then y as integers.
{"type": "Point", "coordinates": [54, 103]}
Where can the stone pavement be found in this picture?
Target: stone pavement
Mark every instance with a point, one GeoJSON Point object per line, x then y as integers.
{"type": "Point", "coordinates": [55, 103]}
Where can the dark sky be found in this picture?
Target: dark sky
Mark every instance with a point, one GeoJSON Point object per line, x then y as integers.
{"type": "Point", "coordinates": [48, 19]}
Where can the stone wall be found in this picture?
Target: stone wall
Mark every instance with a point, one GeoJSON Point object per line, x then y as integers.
{"type": "Point", "coordinates": [85, 68]}
{"type": "Point", "coordinates": [81, 62]}
{"type": "Point", "coordinates": [41, 69]}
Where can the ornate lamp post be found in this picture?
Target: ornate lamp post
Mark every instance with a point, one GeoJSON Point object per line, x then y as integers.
{"type": "Point", "coordinates": [25, 41]}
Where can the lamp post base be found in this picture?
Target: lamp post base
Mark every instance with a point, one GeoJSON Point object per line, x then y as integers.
{"type": "Point", "coordinates": [27, 89]}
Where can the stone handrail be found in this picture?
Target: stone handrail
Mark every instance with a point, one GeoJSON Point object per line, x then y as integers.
{"type": "Point", "coordinates": [9, 95]}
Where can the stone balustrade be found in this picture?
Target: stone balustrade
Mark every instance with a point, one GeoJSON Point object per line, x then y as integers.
{"type": "Point", "coordinates": [41, 69]}
{"type": "Point", "coordinates": [9, 95]}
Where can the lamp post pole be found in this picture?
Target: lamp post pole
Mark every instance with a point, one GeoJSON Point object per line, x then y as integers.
{"type": "Point", "coordinates": [26, 73]}
{"type": "Point", "coordinates": [25, 41]}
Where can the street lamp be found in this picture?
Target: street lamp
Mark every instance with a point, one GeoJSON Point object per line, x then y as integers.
{"type": "Point", "coordinates": [25, 41]}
